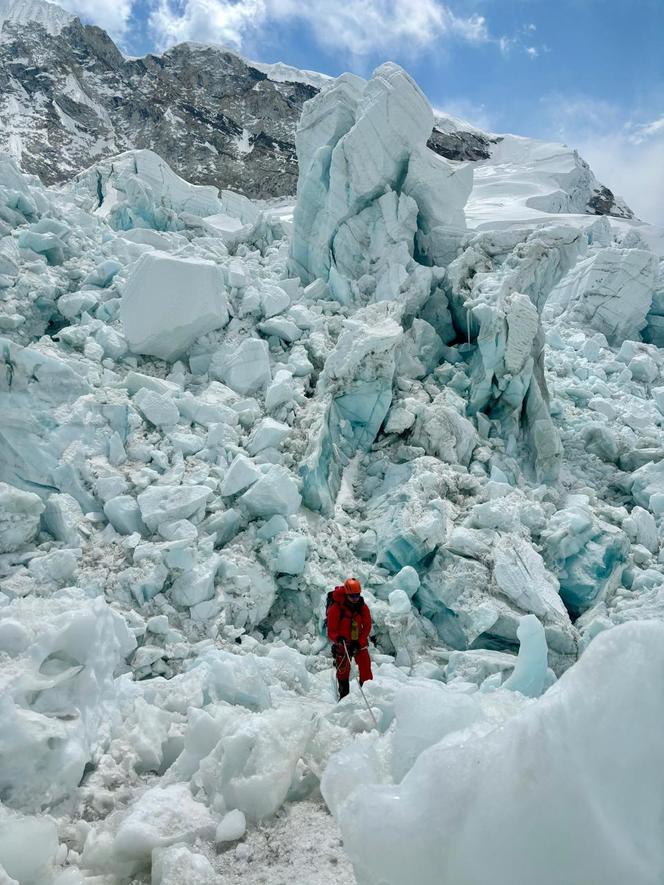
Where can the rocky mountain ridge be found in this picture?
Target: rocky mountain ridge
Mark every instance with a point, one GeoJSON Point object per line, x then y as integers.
{"type": "Point", "coordinates": [70, 98]}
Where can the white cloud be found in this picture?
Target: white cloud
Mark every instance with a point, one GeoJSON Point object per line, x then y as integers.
{"type": "Point", "coordinates": [111, 15]}
{"type": "Point", "coordinates": [625, 155]}
{"type": "Point", "coordinates": [648, 130]}
{"type": "Point", "coordinates": [352, 27]}
{"type": "Point", "coordinates": [206, 21]}
{"type": "Point", "coordinates": [532, 51]}
{"type": "Point", "coordinates": [632, 171]}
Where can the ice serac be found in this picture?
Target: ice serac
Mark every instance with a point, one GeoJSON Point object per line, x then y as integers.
{"type": "Point", "coordinates": [454, 816]}
{"type": "Point", "coordinates": [33, 383]}
{"type": "Point", "coordinates": [168, 302]}
{"type": "Point", "coordinates": [137, 189]}
{"type": "Point", "coordinates": [371, 195]}
{"type": "Point", "coordinates": [355, 391]}
{"type": "Point", "coordinates": [610, 291]}
{"type": "Point", "coordinates": [496, 290]}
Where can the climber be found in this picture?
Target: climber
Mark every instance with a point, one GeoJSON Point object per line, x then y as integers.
{"type": "Point", "coordinates": [348, 628]}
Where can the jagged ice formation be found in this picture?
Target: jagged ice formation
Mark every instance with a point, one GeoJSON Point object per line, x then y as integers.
{"type": "Point", "coordinates": [213, 410]}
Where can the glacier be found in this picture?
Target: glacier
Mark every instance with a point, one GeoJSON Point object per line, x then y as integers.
{"type": "Point", "coordinates": [215, 409]}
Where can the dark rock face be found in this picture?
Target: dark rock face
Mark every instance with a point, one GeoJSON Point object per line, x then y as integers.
{"type": "Point", "coordinates": [461, 145]}
{"type": "Point", "coordinates": [71, 99]}
{"type": "Point", "coordinates": [603, 202]}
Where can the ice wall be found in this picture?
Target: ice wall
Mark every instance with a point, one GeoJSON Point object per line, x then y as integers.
{"type": "Point", "coordinates": [465, 812]}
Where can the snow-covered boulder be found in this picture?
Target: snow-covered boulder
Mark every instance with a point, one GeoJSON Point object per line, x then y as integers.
{"type": "Point", "coordinates": [168, 302]}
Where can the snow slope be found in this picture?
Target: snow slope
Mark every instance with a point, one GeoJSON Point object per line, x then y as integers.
{"type": "Point", "coordinates": [214, 410]}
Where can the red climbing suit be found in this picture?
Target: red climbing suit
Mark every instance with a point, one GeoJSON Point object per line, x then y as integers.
{"type": "Point", "coordinates": [348, 627]}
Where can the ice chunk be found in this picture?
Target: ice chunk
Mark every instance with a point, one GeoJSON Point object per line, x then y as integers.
{"type": "Point", "coordinates": [454, 816]}
{"type": "Point", "coordinates": [399, 602]}
{"type": "Point", "coordinates": [530, 673]}
{"type": "Point", "coordinates": [585, 553]}
{"type": "Point", "coordinates": [424, 716]}
{"type": "Point", "coordinates": [139, 189]}
{"type": "Point", "coordinates": [648, 482]}
{"type": "Point", "coordinates": [441, 431]}
{"type": "Point", "coordinates": [20, 513]}
{"type": "Point", "coordinates": [232, 827]}
{"type": "Point", "coordinates": [410, 520]}
{"type": "Point", "coordinates": [14, 637]}
{"type": "Point", "coordinates": [642, 528]}
{"type": "Point", "coordinates": [292, 556]}
{"type": "Point", "coordinates": [245, 368]}
{"type": "Point", "coordinates": [357, 379]}
{"type": "Point", "coordinates": [280, 391]}
{"type": "Point", "coordinates": [273, 299]}
{"type": "Point", "coordinates": [168, 302]}
{"type": "Point", "coordinates": [268, 434]}
{"type": "Point", "coordinates": [166, 503]}
{"type": "Point", "coordinates": [197, 585]}
{"type": "Point", "coordinates": [161, 817]}
{"type": "Point", "coordinates": [124, 515]}
{"type": "Point", "coordinates": [58, 698]}
{"type": "Point", "coordinates": [159, 409]}
{"type": "Point", "coordinates": [365, 183]}
{"type": "Point", "coordinates": [274, 493]}
{"type": "Point", "coordinates": [62, 518]}
{"type": "Point", "coordinates": [56, 567]}
{"type": "Point", "coordinates": [28, 846]}
{"type": "Point", "coordinates": [241, 474]}
{"type": "Point", "coordinates": [255, 762]}
{"type": "Point", "coordinates": [176, 865]}
{"type": "Point", "coordinates": [521, 575]}
{"type": "Point", "coordinates": [74, 303]}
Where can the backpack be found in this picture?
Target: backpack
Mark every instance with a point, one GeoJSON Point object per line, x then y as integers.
{"type": "Point", "coordinates": [329, 600]}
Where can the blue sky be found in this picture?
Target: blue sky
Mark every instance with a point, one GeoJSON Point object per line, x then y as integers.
{"type": "Point", "coordinates": [586, 72]}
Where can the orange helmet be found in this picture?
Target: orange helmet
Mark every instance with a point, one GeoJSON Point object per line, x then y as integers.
{"type": "Point", "coordinates": [352, 587]}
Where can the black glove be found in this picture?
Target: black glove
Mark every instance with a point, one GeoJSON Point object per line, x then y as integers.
{"type": "Point", "coordinates": [353, 647]}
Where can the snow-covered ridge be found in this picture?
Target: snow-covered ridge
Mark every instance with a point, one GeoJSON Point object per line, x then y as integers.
{"type": "Point", "coordinates": [51, 17]}
{"type": "Point", "coordinates": [283, 73]}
